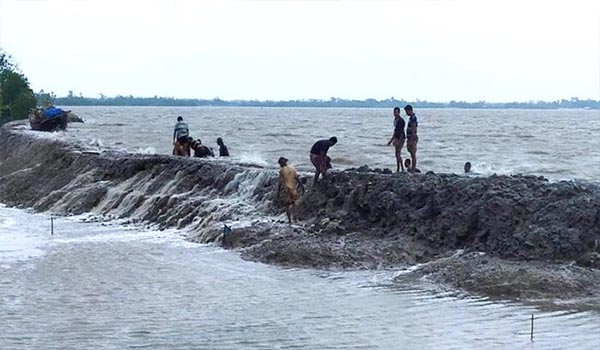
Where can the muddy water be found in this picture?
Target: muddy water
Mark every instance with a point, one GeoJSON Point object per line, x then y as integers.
{"type": "Point", "coordinates": [559, 144]}
{"type": "Point", "coordinates": [109, 286]}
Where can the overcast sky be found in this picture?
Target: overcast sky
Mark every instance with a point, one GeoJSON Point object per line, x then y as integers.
{"type": "Point", "coordinates": [240, 49]}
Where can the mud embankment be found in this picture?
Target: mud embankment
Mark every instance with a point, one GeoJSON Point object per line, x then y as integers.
{"type": "Point", "coordinates": [47, 175]}
{"type": "Point", "coordinates": [514, 232]}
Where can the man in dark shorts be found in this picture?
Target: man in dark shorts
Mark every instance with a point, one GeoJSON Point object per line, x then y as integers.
{"type": "Point", "coordinates": [181, 138]}
{"type": "Point", "coordinates": [398, 138]}
{"type": "Point", "coordinates": [319, 158]}
{"type": "Point", "coordinates": [411, 135]}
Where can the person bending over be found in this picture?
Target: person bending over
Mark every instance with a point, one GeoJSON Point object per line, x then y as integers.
{"type": "Point", "coordinates": [201, 151]}
{"type": "Point", "coordinates": [288, 179]}
{"type": "Point", "coordinates": [319, 158]}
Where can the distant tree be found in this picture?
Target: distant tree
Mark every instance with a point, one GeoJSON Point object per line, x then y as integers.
{"type": "Point", "coordinates": [42, 97]}
{"type": "Point", "coordinates": [130, 100]}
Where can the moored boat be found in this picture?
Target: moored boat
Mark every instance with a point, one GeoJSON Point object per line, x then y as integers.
{"type": "Point", "coordinates": [49, 119]}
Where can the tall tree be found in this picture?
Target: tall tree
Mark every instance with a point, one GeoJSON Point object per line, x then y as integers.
{"type": "Point", "coordinates": [16, 97]}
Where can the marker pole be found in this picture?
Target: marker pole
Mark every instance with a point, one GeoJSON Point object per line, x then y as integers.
{"type": "Point", "coordinates": [531, 327]}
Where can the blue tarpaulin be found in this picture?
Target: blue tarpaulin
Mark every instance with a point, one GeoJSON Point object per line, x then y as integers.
{"type": "Point", "coordinates": [52, 112]}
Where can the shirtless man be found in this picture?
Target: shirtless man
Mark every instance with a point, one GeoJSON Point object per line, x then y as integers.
{"type": "Point", "coordinates": [288, 179]}
{"type": "Point", "coordinates": [398, 138]}
{"type": "Point", "coordinates": [411, 135]}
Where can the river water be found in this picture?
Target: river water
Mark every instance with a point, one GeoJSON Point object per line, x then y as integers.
{"type": "Point", "coordinates": [107, 285]}
{"type": "Point", "coordinates": [558, 144]}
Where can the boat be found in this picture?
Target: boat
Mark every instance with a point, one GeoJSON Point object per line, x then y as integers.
{"type": "Point", "coordinates": [49, 119]}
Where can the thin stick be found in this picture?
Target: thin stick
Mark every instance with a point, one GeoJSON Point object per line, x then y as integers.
{"type": "Point", "coordinates": [531, 327]}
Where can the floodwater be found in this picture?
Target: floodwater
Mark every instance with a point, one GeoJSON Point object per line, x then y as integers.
{"type": "Point", "coordinates": [558, 144]}
{"type": "Point", "coordinates": [109, 286]}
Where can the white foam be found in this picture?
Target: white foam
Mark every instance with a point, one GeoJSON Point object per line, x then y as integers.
{"type": "Point", "coordinates": [253, 158]}
{"type": "Point", "coordinates": [19, 238]}
{"type": "Point", "coordinates": [25, 235]}
{"type": "Point", "coordinates": [122, 235]}
{"type": "Point", "coordinates": [146, 150]}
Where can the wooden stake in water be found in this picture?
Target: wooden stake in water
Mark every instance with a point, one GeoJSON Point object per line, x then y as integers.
{"type": "Point", "coordinates": [51, 226]}
{"type": "Point", "coordinates": [531, 327]}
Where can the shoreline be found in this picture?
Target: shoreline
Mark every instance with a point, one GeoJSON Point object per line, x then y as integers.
{"type": "Point", "coordinates": [510, 237]}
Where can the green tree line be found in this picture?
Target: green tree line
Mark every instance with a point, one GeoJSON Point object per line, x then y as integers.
{"type": "Point", "coordinates": [79, 100]}
{"type": "Point", "coordinates": [16, 97]}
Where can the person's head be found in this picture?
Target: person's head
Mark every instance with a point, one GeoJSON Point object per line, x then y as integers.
{"type": "Point", "coordinates": [396, 112]}
{"type": "Point", "coordinates": [332, 140]}
{"type": "Point", "coordinates": [467, 167]}
{"type": "Point", "coordinates": [180, 119]}
{"type": "Point", "coordinates": [282, 161]}
{"type": "Point", "coordinates": [48, 103]}
{"type": "Point", "coordinates": [408, 109]}
{"type": "Point", "coordinates": [407, 163]}
{"type": "Point", "coordinates": [219, 141]}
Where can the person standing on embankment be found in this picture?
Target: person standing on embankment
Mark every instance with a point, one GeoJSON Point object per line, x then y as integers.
{"type": "Point", "coordinates": [411, 136]}
{"type": "Point", "coordinates": [181, 135]}
{"type": "Point", "coordinates": [398, 138]}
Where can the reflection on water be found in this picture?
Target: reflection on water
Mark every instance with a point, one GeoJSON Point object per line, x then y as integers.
{"type": "Point", "coordinates": [114, 287]}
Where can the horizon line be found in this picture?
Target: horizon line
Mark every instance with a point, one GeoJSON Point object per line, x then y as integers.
{"type": "Point", "coordinates": [330, 99]}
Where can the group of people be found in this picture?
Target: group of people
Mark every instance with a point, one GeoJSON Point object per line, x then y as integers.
{"type": "Point", "coordinates": [183, 144]}
{"type": "Point", "coordinates": [288, 176]}
{"type": "Point", "coordinates": [399, 137]}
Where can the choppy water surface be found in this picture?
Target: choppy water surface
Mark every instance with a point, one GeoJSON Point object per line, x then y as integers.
{"type": "Point", "coordinates": [559, 144]}
{"type": "Point", "coordinates": [112, 287]}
